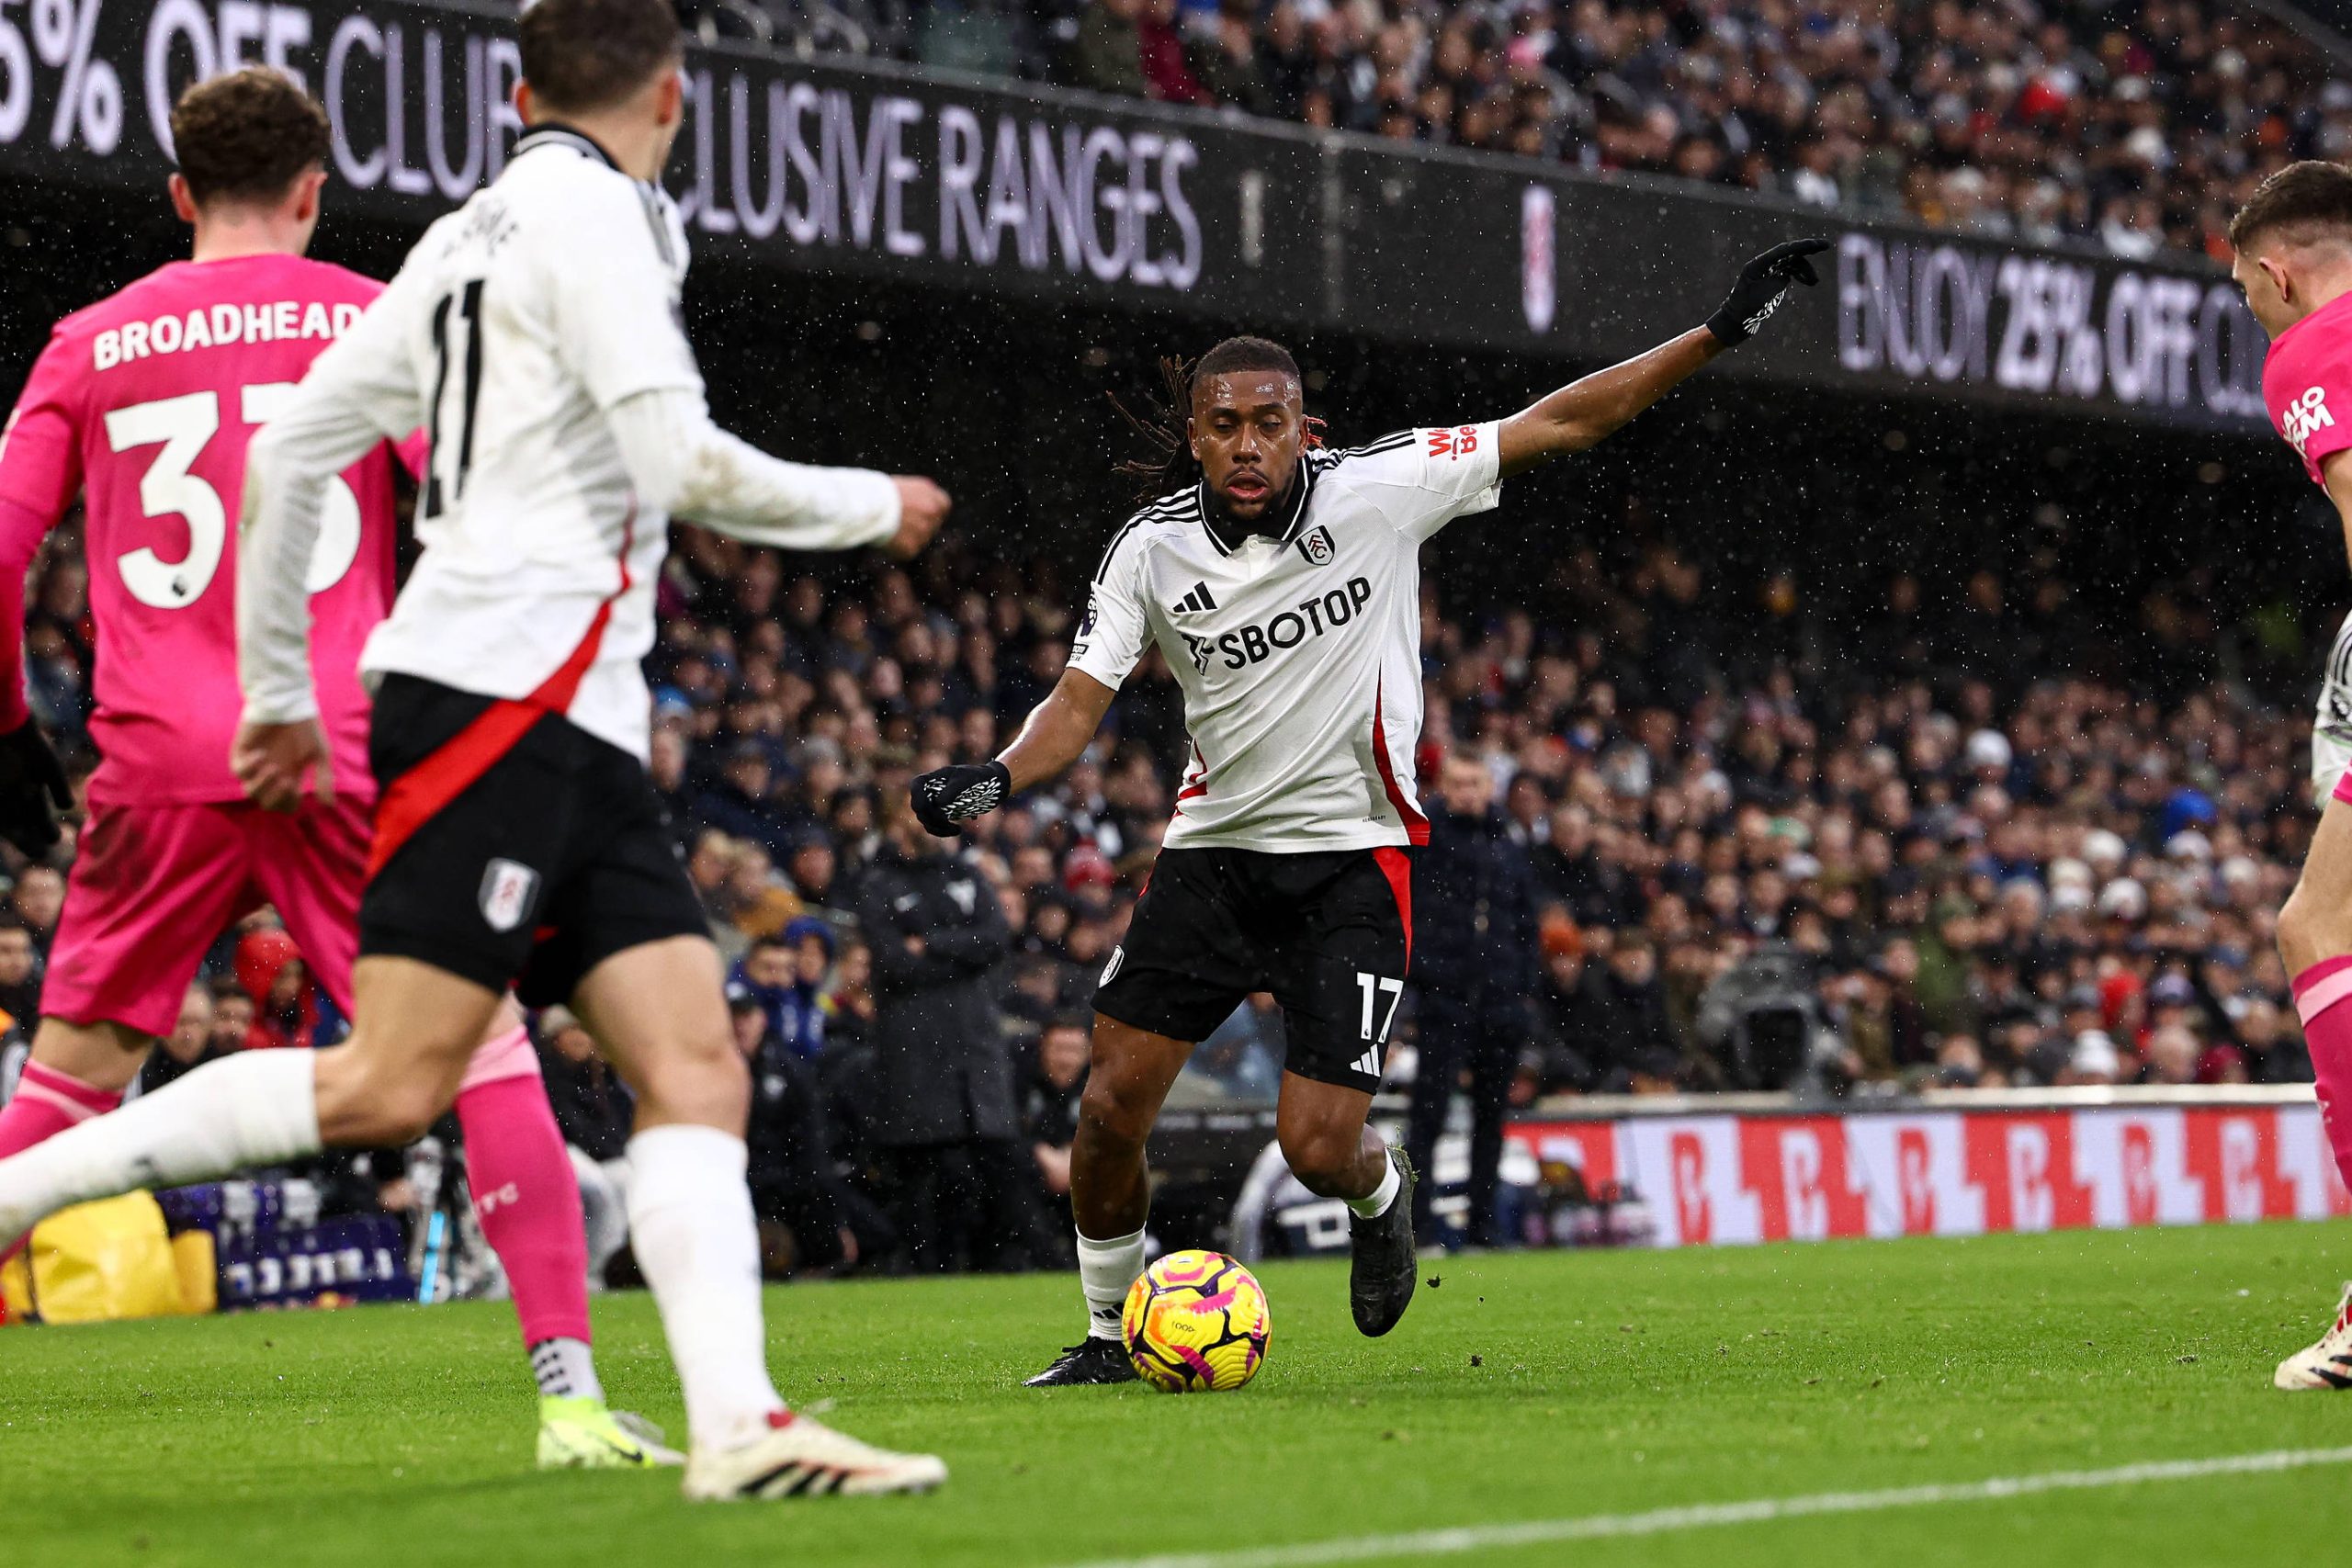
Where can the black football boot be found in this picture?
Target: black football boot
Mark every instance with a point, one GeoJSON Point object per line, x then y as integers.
{"type": "Point", "coordinates": [1384, 1270]}
{"type": "Point", "coordinates": [1091, 1361]}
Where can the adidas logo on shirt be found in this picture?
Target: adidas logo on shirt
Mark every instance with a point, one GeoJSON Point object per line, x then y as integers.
{"type": "Point", "coordinates": [1195, 602]}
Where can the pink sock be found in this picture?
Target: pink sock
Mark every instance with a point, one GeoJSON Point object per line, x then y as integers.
{"type": "Point", "coordinates": [47, 1102]}
{"type": "Point", "coordinates": [2327, 1034]}
{"type": "Point", "coordinates": [528, 1198]}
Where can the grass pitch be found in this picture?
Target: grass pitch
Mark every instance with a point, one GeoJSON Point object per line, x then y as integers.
{"type": "Point", "coordinates": [1521, 1387]}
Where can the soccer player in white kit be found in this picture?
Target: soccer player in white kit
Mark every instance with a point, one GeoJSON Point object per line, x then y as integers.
{"type": "Point", "coordinates": [1284, 589]}
{"type": "Point", "coordinates": [535, 335]}
{"type": "Point", "coordinates": [143, 403]}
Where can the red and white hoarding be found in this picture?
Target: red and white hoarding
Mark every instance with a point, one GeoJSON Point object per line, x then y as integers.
{"type": "Point", "coordinates": [1781, 1176]}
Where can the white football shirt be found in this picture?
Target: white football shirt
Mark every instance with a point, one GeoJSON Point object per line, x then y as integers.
{"type": "Point", "coordinates": [514, 330]}
{"type": "Point", "coordinates": [1298, 651]}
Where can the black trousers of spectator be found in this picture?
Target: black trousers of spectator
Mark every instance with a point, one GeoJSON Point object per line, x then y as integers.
{"type": "Point", "coordinates": [1479, 1037]}
{"type": "Point", "coordinates": [963, 1205]}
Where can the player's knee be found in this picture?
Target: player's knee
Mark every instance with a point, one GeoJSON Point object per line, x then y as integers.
{"type": "Point", "coordinates": [695, 1079]}
{"type": "Point", "coordinates": [370, 1096]}
{"type": "Point", "coordinates": [2310, 931]}
{"type": "Point", "coordinates": [396, 1114]}
{"type": "Point", "coordinates": [1323, 1159]}
{"type": "Point", "coordinates": [1112, 1116]}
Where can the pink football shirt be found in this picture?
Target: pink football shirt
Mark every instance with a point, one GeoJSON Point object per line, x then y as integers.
{"type": "Point", "coordinates": [2307, 384]}
{"type": "Point", "coordinates": [144, 402]}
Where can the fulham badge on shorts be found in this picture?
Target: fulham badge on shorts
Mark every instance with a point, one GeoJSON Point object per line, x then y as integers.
{"type": "Point", "coordinates": [1315, 546]}
{"type": "Point", "coordinates": [509, 892]}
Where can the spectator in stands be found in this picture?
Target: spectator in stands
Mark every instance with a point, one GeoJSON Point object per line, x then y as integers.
{"type": "Point", "coordinates": [232, 1016]}
{"type": "Point", "coordinates": [38, 899]}
{"type": "Point", "coordinates": [813, 1006]}
{"type": "Point", "coordinates": [1109, 54]}
{"type": "Point", "coordinates": [812, 868]}
{"type": "Point", "coordinates": [191, 1044]}
{"type": "Point", "coordinates": [741, 802]}
{"type": "Point", "coordinates": [1633, 1038]}
{"type": "Point", "coordinates": [1567, 1023]}
{"type": "Point", "coordinates": [1055, 1081]}
{"type": "Point", "coordinates": [784, 974]}
{"type": "Point", "coordinates": [593, 1109]}
{"type": "Point", "coordinates": [595, 1112]}
{"type": "Point", "coordinates": [2174, 1052]}
{"type": "Point", "coordinates": [667, 765]}
{"type": "Point", "coordinates": [1167, 66]}
{"type": "Point", "coordinates": [710, 864]}
{"type": "Point", "coordinates": [850, 1023]}
{"type": "Point", "coordinates": [808, 1219]}
{"type": "Point", "coordinates": [1475, 970]}
{"type": "Point", "coordinates": [942, 1102]}
{"type": "Point", "coordinates": [1227, 61]}
{"type": "Point", "coordinates": [20, 975]}
{"type": "Point", "coordinates": [288, 1009]}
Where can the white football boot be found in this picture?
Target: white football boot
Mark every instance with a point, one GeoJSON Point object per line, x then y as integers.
{"type": "Point", "coordinates": [2327, 1364]}
{"type": "Point", "coordinates": [801, 1456]}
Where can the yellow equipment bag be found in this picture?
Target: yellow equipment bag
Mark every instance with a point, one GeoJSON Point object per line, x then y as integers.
{"type": "Point", "coordinates": [98, 1262]}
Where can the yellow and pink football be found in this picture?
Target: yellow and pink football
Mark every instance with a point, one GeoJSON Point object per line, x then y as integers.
{"type": "Point", "coordinates": [1197, 1322]}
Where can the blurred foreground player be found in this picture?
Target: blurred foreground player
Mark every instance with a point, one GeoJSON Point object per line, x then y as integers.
{"type": "Point", "coordinates": [2294, 240]}
{"type": "Point", "coordinates": [144, 402]}
{"type": "Point", "coordinates": [1284, 589]}
{"type": "Point", "coordinates": [535, 335]}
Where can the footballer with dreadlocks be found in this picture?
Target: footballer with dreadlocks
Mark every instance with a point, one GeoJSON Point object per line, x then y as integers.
{"type": "Point", "coordinates": [1284, 589]}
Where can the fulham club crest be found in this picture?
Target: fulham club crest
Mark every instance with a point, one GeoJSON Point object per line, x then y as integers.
{"type": "Point", "coordinates": [1315, 546]}
{"type": "Point", "coordinates": [509, 891]}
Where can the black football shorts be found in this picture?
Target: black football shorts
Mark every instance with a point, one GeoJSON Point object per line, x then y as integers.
{"type": "Point", "coordinates": [512, 846]}
{"type": "Point", "coordinates": [1328, 932]}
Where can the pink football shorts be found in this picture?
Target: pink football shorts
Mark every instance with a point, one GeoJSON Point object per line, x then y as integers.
{"type": "Point", "coordinates": [153, 885]}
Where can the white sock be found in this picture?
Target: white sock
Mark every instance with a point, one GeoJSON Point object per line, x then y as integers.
{"type": "Point", "coordinates": [566, 1368]}
{"type": "Point", "coordinates": [1105, 1269]}
{"type": "Point", "coordinates": [697, 1243]}
{"type": "Point", "coordinates": [253, 1109]}
{"type": "Point", "coordinates": [1375, 1204]}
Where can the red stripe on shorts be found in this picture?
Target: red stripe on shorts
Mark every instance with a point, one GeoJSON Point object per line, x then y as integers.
{"type": "Point", "coordinates": [426, 789]}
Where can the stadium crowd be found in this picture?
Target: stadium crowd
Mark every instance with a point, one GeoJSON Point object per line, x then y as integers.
{"type": "Point", "coordinates": [1975, 878]}
{"type": "Point", "coordinates": [2126, 124]}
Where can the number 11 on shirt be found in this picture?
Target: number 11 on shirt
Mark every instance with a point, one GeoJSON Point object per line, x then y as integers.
{"type": "Point", "coordinates": [469, 303]}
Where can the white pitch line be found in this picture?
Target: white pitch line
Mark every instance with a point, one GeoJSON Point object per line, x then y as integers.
{"type": "Point", "coordinates": [1761, 1511]}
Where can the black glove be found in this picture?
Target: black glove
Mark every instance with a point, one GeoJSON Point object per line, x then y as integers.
{"type": "Point", "coordinates": [959, 793]}
{"type": "Point", "coordinates": [33, 789]}
{"type": "Point", "coordinates": [1763, 283]}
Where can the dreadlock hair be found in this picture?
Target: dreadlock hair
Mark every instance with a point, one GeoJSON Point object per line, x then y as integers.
{"type": "Point", "coordinates": [1168, 463]}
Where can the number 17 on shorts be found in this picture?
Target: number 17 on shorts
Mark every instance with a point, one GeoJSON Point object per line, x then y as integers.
{"type": "Point", "coordinates": [1380, 995]}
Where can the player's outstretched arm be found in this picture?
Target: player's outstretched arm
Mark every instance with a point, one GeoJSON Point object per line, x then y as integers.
{"type": "Point", "coordinates": [1586, 411]}
{"type": "Point", "coordinates": [682, 463]}
{"type": "Point", "coordinates": [1055, 735]}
